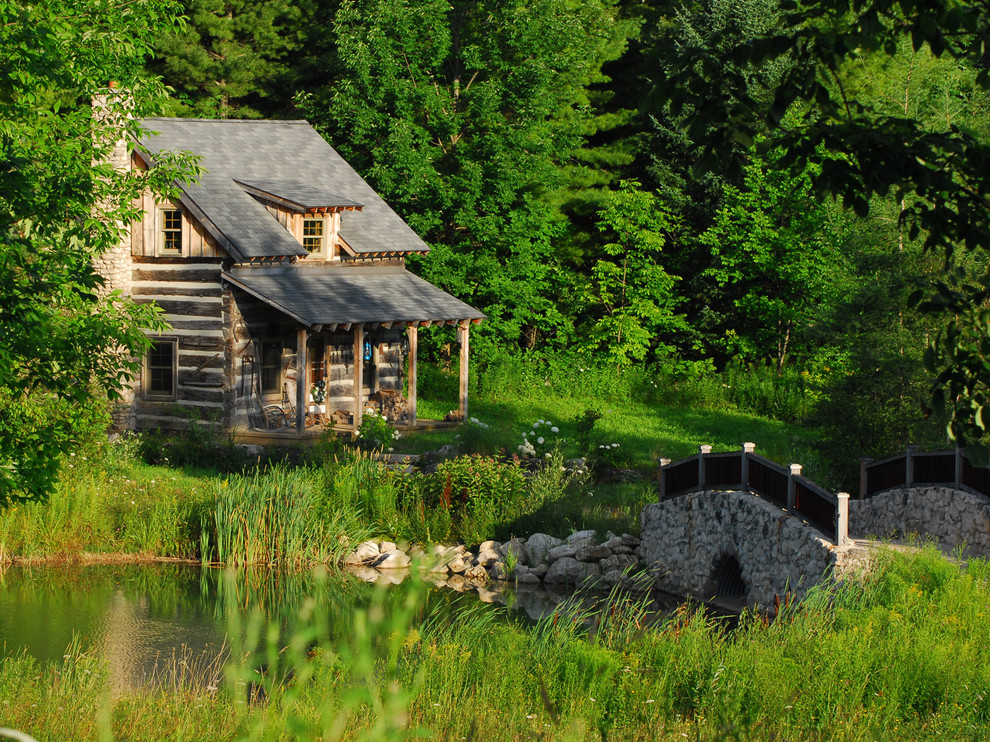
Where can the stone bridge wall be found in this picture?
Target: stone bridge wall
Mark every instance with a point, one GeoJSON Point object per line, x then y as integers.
{"type": "Point", "coordinates": [952, 517]}
{"type": "Point", "coordinates": [683, 540]}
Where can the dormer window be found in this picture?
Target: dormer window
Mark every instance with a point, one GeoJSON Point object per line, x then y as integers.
{"type": "Point", "coordinates": [314, 235]}
{"type": "Point", "coordinates": [170, 232]}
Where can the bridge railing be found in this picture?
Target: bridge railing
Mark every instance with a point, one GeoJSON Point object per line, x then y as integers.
{"type": "Point", "coordinates": [746, 470]}
{"type": "Point", "coordinates": [914, 468]}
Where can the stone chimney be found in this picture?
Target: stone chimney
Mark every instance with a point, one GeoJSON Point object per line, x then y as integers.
{"type": "Point", "coordinates": [111, 110]}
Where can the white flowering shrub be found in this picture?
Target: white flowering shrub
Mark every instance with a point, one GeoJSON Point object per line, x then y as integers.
{"type": "Point", "coordinates": [375, 431]}
{"type": "Point", "coordinates": [540, 440]}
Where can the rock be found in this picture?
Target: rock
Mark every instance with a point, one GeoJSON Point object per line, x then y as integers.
{"type": "Point", "coordinates": [457, 582]}
{"type": "Point", "coordinates": [540, 570]}
{"type": "Point", "coordinates": [497, 571]}
{"type": "Point", "coordinates": [416, 553]}
{"type": "Point", "coordinates": [489, 546]}
{"type": "Point", "coordinates": [537, 547]}
{"type": "Point", "coordinates": [516, 547]}
{"type": "Point", "coordinates": [477, 572]}
{"type": "Point", "coordinates": [386, 546]}
{"type": "Point", "coordinates": [564, 551]}
{"type": "Point", "coordinates": [592, 553]}
{"type": "Point", "coordinates": [630, 541]}
{"type": "Point", "coordinates": [392, 560]}
{"type": "Point", "coordinates": [623, 550]}
{"type": "Point", "coordinates": [362, 572]}
{"type": "Point", "coordinates": [580, 538]}
{"type": "Point", "coordinates": [612, 577]}
{"type": "Point", "coordinates": [364, 553]}
{"type": "Point", "coordinates": [614, 542]}
{"type": "Point", "coordinates": [458, 564]}
{"type": "Point", "coordinates": [570, 571]}
{"type": "Point", "coordinates": [526, 579]}
{"type": "Point", "coordinates": [486, 557]}
{"type": "Point", "coordinates": [619, 562]}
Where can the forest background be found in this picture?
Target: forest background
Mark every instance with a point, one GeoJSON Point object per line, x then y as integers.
{"type": "Point", "coordinates": [535, 146]}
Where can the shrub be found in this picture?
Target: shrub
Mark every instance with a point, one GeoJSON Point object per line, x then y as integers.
{"type": "Point", "coordinates": [478, 491]}
{"type": "Point", "coordinates": [375, 432]}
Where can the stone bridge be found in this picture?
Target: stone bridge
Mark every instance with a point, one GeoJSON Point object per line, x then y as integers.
{"type": "Point", "coordinates": [735, 526]}
{"type": "Point", "coordinates": [737, 546]}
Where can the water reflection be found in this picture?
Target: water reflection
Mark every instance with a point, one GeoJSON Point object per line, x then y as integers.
{"type": "Point", "coordinates": [157, 623]}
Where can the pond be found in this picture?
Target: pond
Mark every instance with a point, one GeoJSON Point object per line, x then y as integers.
{"type": "Point", "coordinates": [145, 620]}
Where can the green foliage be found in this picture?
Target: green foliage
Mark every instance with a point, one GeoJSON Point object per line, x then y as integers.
{"type": "Point", "coordinates": [479, 492]}
{"type": "Point", "coordinates": [776, 259]}
{"type": "Point", "coordinates": [630, 294]}
{"type": "Point", "coordinates": [228, 59]}
{"type": "Point", "coordinates": [465, 117]}
{"type": "Point", "coordinates": [375, 432]}
{"type": "Point", "coordinates": [867, 147]}
{"type": "Point", "coordinates": [62, 204]}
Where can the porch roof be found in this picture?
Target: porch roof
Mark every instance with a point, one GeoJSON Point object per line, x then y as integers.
{"type": "Point", "coordinates": [365, 297]}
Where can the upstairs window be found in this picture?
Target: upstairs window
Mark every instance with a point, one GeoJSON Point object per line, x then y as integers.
{"type": "Point", "coordinates": [314, 235]}
{"type": "Point", "coordinates": [161, 368]}
{"type": "Point", "coordinates": [170, 232]}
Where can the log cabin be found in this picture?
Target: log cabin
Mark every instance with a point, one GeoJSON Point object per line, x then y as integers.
{"type": "Point", "coordinates": [282, 274]}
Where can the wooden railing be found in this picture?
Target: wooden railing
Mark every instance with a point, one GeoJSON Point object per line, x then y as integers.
{"type": "Point", "coordinates": [915, 468]}
{"type": "Point", "coordinates": [747, 471]}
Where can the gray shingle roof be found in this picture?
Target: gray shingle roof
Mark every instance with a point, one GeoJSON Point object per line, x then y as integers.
{"type": "Point", "coordinates": [352, 296]}
{"type": "Point", "coordinates": [270, 152]}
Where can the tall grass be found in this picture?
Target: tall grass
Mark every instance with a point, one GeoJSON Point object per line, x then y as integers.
{"type": "Point", "coordinates": [898, 656]}
{"type": "Point", "coordinates": [276, 517]}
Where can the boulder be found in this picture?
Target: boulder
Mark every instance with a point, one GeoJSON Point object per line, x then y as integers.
{"type": "Point", "coordinates": [537, 547]}
{"type": "Point", "coordinates": [564, 551]}
{"type": "Point", "coordinates": [570, 571]}
{"type": "Point", "coordinates": [580, 538]}
{"type": "Point", "coordinates": [486, 557]}
{"type": "Point", "coordinates": [592, 553]}
{"type": "Point", "coordinates": [477, 572]}
{"type": "Point", "coordinates": [386, 546]}
{"type": "Point", "coordinates": [394, 559]}
{"type": "Point", "coordinates": [516, 547]}
{"type": "Point", "coordinates": [364, 553]}
{"type": "Point", "coordinates": [458, 564]}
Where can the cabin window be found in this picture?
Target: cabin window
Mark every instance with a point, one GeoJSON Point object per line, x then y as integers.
{"type": "Point", "coordinates": [161, 369]}
{"type": "Point", "coordinates": [170, 232]}
{"type": "Point", "coordinates": [271, 368]}
{"type": "Point", "coordinates": [314, 234]}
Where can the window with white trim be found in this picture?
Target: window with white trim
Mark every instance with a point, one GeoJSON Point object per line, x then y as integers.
{"type": "Point", "coordinates": [161, 369]}
{"type": "Point", "coordinates": [170, 232]}
{"type": "Point", "coordinates": [314, 235]}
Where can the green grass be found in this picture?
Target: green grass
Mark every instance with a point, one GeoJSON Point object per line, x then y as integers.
{"type": "Point", "coordinates": [897, 656]}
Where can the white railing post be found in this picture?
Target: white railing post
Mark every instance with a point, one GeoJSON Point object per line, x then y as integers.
{"type": "Point", "coordinates": [795, 471]}
{"type": "Point", "coordinates": [747, 449]}
{"type": "Point", "coordinates": [702, 450]}
{"type": "Point", "coordinates": [909, 451]}
{"type": "Point", "coordinates": [842, 519]}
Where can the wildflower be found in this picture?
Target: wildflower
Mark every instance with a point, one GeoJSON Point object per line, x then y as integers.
{"type": "Point", "coordinates": [541, 440]}
{"type": "Point", "coordinates": [554, 429]}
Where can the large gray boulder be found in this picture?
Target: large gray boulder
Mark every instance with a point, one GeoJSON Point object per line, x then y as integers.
{"type": "Point", "coordinates": [537, 547]}
{"type": "Point", "coordinates": [569, 571]}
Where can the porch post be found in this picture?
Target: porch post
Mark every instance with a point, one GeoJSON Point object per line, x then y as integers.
{"type": "Point", "coordinates": [358, 373]}
{"type": "Point", "coordinates": [465, 329]}
{"type": "Point", "coordinates": [301, 363]}
{"type": "Point", "coordinates": [412, 332]}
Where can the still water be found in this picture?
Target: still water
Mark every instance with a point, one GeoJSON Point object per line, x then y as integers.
{"type": "Point", "coordinates": [144, 619]}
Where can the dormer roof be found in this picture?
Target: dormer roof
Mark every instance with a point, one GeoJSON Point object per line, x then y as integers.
{"type": "Point", "coordinates": [286, 162]}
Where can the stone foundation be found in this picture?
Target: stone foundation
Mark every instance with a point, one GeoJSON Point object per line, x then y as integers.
{"type": "Point", "coordinates": [951, 517]}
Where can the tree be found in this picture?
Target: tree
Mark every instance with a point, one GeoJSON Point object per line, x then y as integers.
{"type": "Point", "coordinates": [466, 116]}
{"type": "Point", "coordinates": [228, 59]}
{"type": "Point", "coordinates": [774, 257]}
{"type": "Point", "coordinates": [64, 341]}
{"type": "Point", "coordinates": [941, 176]}
{"type": "Point", "coordinates": [632, 293]}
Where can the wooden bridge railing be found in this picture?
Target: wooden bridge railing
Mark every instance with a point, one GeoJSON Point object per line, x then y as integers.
{"type": "Point", "coordinates": [915, 468]}
{"type": "Point", "coordinates": [747, 471]}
